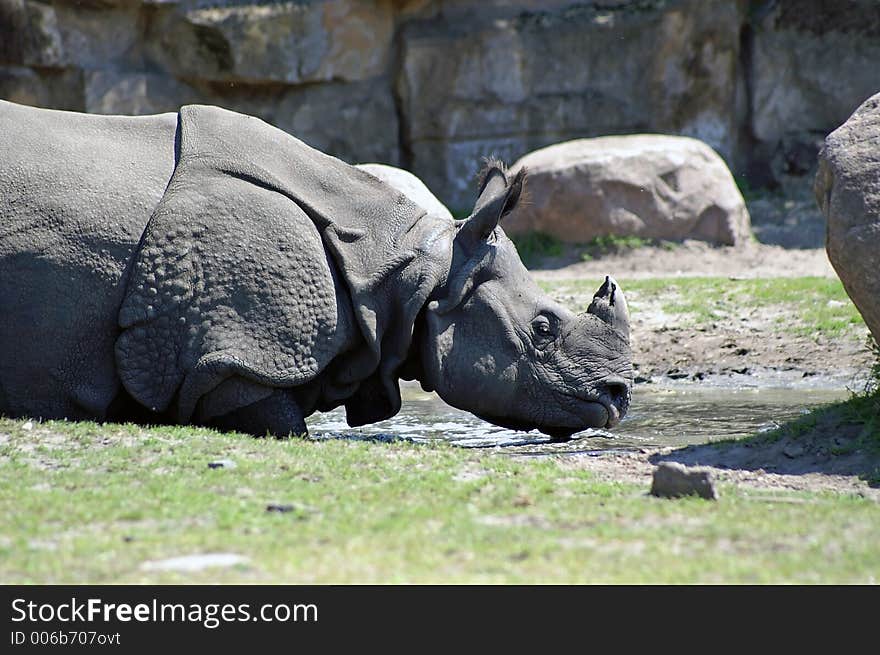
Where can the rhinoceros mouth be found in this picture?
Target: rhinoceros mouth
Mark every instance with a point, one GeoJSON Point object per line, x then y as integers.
{"type": "Point", "coordinates": [585, 414]}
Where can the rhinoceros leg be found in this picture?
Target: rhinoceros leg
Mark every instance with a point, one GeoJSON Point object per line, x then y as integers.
{"type": "Point", "coordinates": [255, 409]}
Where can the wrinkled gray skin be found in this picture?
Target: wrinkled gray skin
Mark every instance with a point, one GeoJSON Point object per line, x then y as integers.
{"type": "Point", "coordinates": [204, 267]}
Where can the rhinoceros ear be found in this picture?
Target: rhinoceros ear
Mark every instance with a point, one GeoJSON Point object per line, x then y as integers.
{"type": "Point", "coordinates": [498, 196]}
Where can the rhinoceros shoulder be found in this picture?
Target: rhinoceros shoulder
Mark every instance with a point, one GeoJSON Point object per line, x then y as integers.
{"type": "Point", "coordinates": [267, 259]}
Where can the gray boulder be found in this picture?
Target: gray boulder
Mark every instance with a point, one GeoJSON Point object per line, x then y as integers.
{"type": "Point", "coordinates": [409, 185]}
{"type": "Point", "coordinates": [847, 190]}
{"type": "Point", "coordinates": [649, 185]}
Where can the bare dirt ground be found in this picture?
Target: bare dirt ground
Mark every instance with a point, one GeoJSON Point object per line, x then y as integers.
{"type": "Point", "coordinates": [728, 468]}
{"type": "Point", "coordinates": [748, 344]}
{"type": "Point", "coordinates": [692, 258]}
{"type": "Point", "coordinates": [748, 341]}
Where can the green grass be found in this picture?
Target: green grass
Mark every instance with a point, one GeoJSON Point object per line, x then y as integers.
{"type": "Point", "coordinates": [89, 503]}
{"type": "Point", "coordinates": [534, 246]}
{"type": "Point", "coordinates": [611, 244]}
{"type": "Point", "coordinates": [802, 306]}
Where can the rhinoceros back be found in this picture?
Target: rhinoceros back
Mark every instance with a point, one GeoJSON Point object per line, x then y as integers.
{"type": "Point", "coordinates": [76, 192]}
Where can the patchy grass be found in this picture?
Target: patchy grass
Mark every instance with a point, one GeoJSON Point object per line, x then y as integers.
{"type": "Point", "coordinates": [860, 413]}
{"type": "Point", "coordinates": [611, 244]}
{"type": "Point", "coordinates": [535, 246]}
{"type": "Point", "coordinates": [803, 306]}
{"type": "Point", "coordinates": [90, 503]}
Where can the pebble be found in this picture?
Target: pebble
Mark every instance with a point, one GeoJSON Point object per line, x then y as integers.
{"type": "Point", "coordinates": [284, 508]}
{"type": "Point", "coordinates": [673, 480]}
{"type": "Point", "coordinates": [222, 464]}
{"type": "Point", "coordinates": [275, 507]}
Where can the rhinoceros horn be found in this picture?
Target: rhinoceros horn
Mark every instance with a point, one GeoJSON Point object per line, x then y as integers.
{"type": "Point", "coordinates": [609, 304]}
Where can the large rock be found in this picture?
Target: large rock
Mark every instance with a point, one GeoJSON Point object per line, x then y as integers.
{"type": "Point", "coordinates": [848, 193]}
{"type": "Point", "coordinates": [474, 84]}
{"type": "Point", "coordinates": [649, 185]}
{"type": "Point", "coordinates": [410, 186]}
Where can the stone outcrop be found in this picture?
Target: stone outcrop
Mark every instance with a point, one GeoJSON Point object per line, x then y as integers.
{"type": "Point", "coordinates": [649, 185]}
{"type": "Point", "coordinates": [506, 86]}
{"type": "Point", "coordinates": [848, 193]}
{"type": "Point", "coordinates": [320, 70]}
{"type": "Point", "coordinates": [435, 85]}
{"type": "Point", "coordinates": [269, 42]}
{"type": "Point", "coordinates": [810, 64]}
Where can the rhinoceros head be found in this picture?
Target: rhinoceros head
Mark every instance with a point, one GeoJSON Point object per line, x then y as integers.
{"type": "Point", "coordinates": [493, 344]}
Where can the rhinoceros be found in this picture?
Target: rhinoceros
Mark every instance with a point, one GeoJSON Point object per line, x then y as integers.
{"type": "Point", "coordinates": [203, 267]}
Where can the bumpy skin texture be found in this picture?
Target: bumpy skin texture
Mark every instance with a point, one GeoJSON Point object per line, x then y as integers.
{"type": "Point", "coordinates": [206, 267]}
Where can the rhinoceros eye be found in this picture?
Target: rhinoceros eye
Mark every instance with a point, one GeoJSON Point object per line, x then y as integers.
{"type": "Point", "coordinates": [544, 327]}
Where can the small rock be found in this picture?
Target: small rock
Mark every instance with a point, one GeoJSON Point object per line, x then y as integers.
{"type": "Point", "coordinates": [522, 501]}
{"type": "Point", "coordinates": [673, 480]}
{"type": "Point", "coordinates": [222, 464]}
{"type": "Point", "coordinates": [272, 507]}
{"type": "Point", "coordinates": [641, 379]}
{"type": "Point", "coordinates": [28, 426]}
{"type": "Point", "coordinates": [190, 563]}
{"type": "Point", "coordinates": [793, 450]}
{"type": "Point", "coordinates": [284, 508]}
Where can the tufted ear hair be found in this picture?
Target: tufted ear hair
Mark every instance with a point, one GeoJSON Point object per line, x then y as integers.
{"type": "Point", "coordinates": [498, 196]}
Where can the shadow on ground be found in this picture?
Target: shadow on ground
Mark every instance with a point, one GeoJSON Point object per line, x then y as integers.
{"type": "Point", "coordinates": [838, 439]}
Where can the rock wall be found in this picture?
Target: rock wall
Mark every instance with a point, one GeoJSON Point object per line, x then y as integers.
{"type": "Point", "coordinates": [434, 85]}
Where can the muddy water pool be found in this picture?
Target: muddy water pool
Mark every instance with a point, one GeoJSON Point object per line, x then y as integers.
{"type": "Point", "coordinates": [674, 415]}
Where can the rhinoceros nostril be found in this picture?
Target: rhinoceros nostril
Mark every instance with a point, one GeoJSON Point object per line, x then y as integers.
{"type": "Point", "coordinates": [619, 393]}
